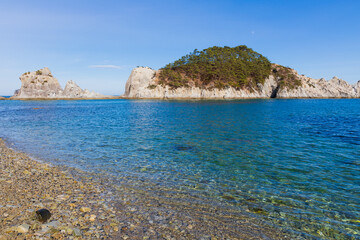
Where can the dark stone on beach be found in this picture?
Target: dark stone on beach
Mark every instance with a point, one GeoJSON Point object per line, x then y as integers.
{"type": "Point", "coordinates": [43, 215]}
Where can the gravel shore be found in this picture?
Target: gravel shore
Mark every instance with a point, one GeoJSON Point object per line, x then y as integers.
{"type": "Point", "coordinates": [85, 208]}
{"type": "Point", "coordinates": [78, 208]}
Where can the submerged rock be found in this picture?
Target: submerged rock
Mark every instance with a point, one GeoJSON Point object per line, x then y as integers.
{"type": "Point", "coordinates": [42, 84]}
{"type": "Point", "coordinates": [183, 148]}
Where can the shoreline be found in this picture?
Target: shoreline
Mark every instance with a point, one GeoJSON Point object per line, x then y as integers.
{"type": "Point", "coordinates": [169, 99]}
{"type": "Point", "coordinates": [53, 99]}
{"type": "Point", "coordinates": [116, 212]}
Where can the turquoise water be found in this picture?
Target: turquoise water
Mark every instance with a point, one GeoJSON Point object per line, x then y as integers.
{"type": "Point", "coordinates": [294, 163]}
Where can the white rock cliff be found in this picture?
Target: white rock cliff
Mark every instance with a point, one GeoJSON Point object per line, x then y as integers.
{"type": "Point", "coordinates": [41, 84]}
{"type": "Point", "coordinates": [143, 83]}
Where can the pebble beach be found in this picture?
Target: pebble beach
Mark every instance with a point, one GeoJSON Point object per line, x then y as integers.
{"type": "Point", "coordinates": [78, 210]}
{"type": "Point", "coordinates": [85, 208]}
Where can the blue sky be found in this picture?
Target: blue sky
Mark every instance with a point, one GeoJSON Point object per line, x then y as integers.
{"type": "Point", "coordinates": [97, 43]}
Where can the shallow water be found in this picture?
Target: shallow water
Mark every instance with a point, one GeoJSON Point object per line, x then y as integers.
{"type": "Point", "coordinates": [294, 163]}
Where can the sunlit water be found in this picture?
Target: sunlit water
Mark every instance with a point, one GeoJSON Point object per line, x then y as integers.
{"type": "Point", "coordinates": [294, 163]}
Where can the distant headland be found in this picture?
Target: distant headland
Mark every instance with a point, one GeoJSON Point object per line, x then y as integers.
{"type": "Point", "coordinates": [213, 73]}
{"type": "Point", "coordinates": [231, 73]}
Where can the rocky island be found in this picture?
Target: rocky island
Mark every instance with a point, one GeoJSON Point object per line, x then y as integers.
{"type": "Point", "coordinates": [41, 84]}
{"type": "Point", "coordinates": [230, 73]}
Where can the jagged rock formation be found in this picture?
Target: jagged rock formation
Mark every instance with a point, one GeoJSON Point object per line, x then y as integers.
{"type": "Point", "coordinates": [143, 83]}
{"type": "Point", "coordinates": [41, 84]}
{"type": "Point", "coordinates": [2, 98]}
{"type": "Point", "coordinates": [72, 90]}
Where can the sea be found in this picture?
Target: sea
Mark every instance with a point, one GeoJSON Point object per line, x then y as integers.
{"type": "Point", "coordinates": [294, 163]}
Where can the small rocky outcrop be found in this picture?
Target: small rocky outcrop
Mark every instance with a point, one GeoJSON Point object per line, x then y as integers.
{"type": "Point", "coordinates": [2, 98]}
{"type": "Point", "coordinates": [72, 90]}
{"type": "Point", "coordinates": [38, 84]}
{"type": "Point", "coordinates": [42, 84]}
{"type": "Point", "coordinates": [143, 83]}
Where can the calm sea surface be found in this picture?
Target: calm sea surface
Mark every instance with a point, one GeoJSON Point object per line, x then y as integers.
{"type": "Point", "coordinates": [294, 163]}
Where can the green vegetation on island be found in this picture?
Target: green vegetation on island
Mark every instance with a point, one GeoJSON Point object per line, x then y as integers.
{"type": "Point", "coordinates": [220, 67]}
{"type": "Point", "coordinates": [285, 76]}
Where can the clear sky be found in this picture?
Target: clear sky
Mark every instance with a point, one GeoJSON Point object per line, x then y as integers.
{"type": "Point", "coordinates": [97, 43]}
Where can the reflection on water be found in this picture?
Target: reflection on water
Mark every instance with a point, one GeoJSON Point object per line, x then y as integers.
{"type": "Point", "coordinates": [292, 162]}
